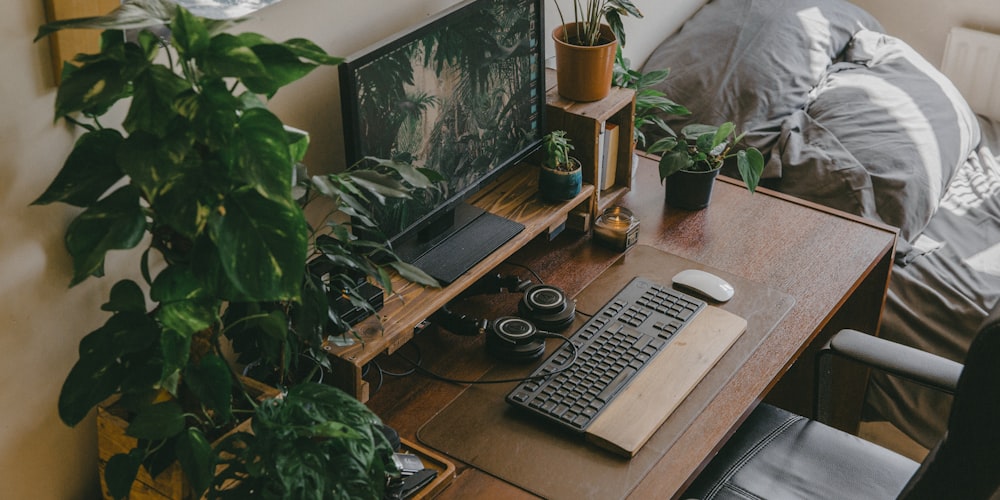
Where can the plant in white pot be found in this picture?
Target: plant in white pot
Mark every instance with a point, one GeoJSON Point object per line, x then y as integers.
{"type": "Point", "coordinates": [561, 176]}
{"type": "Point", "coordinates": [586, 47]}
{"type": "Point", "coordinates": [689, 164]}
{"type": "Point", "coordinates": [198, 180]}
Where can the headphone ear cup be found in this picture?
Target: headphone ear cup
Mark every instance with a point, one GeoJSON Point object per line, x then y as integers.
{"type": "Point", "coordinates": [514, 339]}
{"type": "Point", "coordinates": [547, 306]}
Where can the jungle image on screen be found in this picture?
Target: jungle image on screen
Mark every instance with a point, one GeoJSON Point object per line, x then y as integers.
{"type": "Point", "coordinates": [461, 99]}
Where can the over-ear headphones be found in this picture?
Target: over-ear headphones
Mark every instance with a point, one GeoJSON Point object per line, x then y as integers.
{"type": "Point", "coordinates": [542, 309]}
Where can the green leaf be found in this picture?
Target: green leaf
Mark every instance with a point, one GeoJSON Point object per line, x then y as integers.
{"type": "Point", "coordinates": [261, 245]}
{"type": "Point", "coordinates": [415, 177]}
{"type": "Point", "coordinates": [264, 154]}
{"type": "Point", "coordinates": [157, 421]}
{"type": "Point", "coordinates": [380, 185]}
{"type": "Point", "coordinates": [298, 144]}
{"type": "Point", "coordinates": [227, 55]}
{"type": "Point", "coordinates": [131, 331]}
{"type": "Point", "coordinates": [89, 171]}
{"type": "Point", "coordinates": [154, 92]}
{"type": "Point", "coordinates": [281, 67]}
{"type": "Point", "coordinates": [213, 112]}
{"type": "Point", "coordinates": [92, 88]}
{"type": "Point", "coordinates": [114, 223]}
{"type": "Point", "coordinates": [134, 14]}
{"type": "Point", "coordinates": [91, 380]}
{"type": "Point", "coordinates": [274, 325]}
{"type": "Point", "coordinates": [120, 472]}
{"type": "Point", "coordinates": [413, 274]}
{"type": "Point", "coordinates": [750, 163]}
{"type": "Point", "coordinates": [187, 197]}
{"type": "Point", "coordinates": [722, 134]}
{"type": "Point", "coordinates": [211, 381]}
{"type": "Point", "coordinates": [197, 461]}
{"type": "Point", "coordinates": [189, 34]}
{"type": "Point", "coordinates": [309, 50]}
{"type": "Point", "coordinates": [177, 283]}
{"type": "Point", "coordinates": [673, 162]}
{"type": "Point", "coordinates": [125, 296]}
{"type": "Point", "coordinates": [188, 316]}
{"type": "Point", "coordinates": [175, 349]}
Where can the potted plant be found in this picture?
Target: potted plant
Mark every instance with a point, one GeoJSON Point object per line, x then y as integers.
{"type": "Point", "coordinates": [585, 49]}
{"type": "Point", "coordinates": [199, 182]}
{"type": "Point", "coordinates": [690, 164]}
{"type": "Point", "coordinates": [561, 176]}
{"type": "Point", "coordinates": [651, 104]}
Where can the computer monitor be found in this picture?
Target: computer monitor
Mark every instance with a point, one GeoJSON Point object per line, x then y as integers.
{"type": "Point", "coordinates": [462, 94]}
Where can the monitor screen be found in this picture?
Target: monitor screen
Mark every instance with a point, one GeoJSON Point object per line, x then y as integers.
{"type": "Point", "coordinates": [462, 94]}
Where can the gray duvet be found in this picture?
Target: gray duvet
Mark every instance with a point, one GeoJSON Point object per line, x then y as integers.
{"type": "Point", "coordinates": [854, 119]}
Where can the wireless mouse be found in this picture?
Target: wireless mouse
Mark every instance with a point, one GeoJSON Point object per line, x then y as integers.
{"type": "Point", "coordinates": [705, 284]}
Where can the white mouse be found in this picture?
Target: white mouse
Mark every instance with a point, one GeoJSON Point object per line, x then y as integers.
{"type": "Point", "coordinates": [705, 283]}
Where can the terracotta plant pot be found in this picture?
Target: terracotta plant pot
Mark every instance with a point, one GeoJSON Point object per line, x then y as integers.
{"type": "Point", "coordinates": [583, 73]}
{"type": "Point", "coordinates": [690, 190]}
{"type": "Point", "coordinates": [560, 185]}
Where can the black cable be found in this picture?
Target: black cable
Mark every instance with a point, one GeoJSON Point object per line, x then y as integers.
{"type": "Point", "coordinates": [526, 268]}
{"type": "Point", "coordinates": [367, 368]}
{"type": "Point", "coordinates": [566, 340]}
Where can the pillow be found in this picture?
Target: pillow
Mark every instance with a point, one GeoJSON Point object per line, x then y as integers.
{"type": "Point", "coordinates": [888, 117]}
{"type": "Point", "coordinates": [753, 62]}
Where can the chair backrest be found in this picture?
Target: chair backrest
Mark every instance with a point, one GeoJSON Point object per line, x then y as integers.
{"type": "Point", "coordinates": [966, 463]}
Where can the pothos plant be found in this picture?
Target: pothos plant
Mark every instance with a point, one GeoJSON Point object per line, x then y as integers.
{"type": "Point", "coordinates": [703, 148]}
{"type": "Point", "coordinates": [198, 179]}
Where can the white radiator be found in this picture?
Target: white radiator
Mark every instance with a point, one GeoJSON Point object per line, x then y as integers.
{"type": "Point", "coordinates": [972, 62]}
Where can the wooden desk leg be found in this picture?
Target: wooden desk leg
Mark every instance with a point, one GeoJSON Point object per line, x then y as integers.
{"type": "Point", "coordinates": [862, 311]}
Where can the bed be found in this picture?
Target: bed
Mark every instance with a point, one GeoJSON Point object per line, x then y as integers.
{"type": "Point", "coordinates": [853, 118]}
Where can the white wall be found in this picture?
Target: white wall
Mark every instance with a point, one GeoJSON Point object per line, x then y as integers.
{"type": "Point", "coordinates": [42, 321]}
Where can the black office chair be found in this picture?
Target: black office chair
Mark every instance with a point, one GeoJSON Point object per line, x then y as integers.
{"type": "Point", "coordinates": [776, 454]}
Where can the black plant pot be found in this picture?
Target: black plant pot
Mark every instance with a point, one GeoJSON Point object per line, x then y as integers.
{"type": "Point", "coordinates": [690, 190]}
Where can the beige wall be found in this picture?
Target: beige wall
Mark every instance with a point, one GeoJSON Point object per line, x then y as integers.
{"type": "Point", "coordinates": [924, 24]}
{"type": "Point", "coordinates": [41, 321]}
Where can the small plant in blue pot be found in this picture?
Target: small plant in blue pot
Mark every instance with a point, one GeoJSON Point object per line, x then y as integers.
{"type": "Point", "coordinates": [561, 177]}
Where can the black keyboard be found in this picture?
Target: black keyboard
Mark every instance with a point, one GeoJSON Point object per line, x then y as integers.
{"type": "Point", "coordinates": [612, 348]}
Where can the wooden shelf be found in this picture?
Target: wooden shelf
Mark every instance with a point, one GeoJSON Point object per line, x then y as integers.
{"type": "Point", "coordinates": [514, 195]}
{"type": "Point", "coordinates": [584, 123]}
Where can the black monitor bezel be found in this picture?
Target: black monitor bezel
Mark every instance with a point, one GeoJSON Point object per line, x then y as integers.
{"type": "Point", "coordinates": [350, 106]}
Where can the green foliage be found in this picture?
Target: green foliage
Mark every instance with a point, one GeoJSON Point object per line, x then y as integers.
{"type": "Point", "coordinates": [557, 147]}
{"type": "Point", "coordinates": [314, 442]}
{"type": "Point", "coordinates": [589, 14]}
{"type": "Point", "coordinates": [201, 175]}
{"type": "Point", "coordinates": [651, 104]}
{"type": "Point", "coordinates": [705, 148]}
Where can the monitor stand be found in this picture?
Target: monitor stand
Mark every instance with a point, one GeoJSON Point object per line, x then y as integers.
{"type": "Point", "coordinates": [474, 235]}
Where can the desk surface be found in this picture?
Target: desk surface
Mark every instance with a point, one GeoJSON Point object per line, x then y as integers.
{"type": "Point", "coordinates": [835, 266]}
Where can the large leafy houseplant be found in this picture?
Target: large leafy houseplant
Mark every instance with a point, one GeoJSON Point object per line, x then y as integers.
{"type": "Point", "coordinates": [199, 180]}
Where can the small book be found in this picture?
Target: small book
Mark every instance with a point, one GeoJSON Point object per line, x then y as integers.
{"type": "Point", "coordinates": [610, 156]}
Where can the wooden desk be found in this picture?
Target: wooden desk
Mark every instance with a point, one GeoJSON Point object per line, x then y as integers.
{"type": "Point", "coordinates": [836, 267]}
